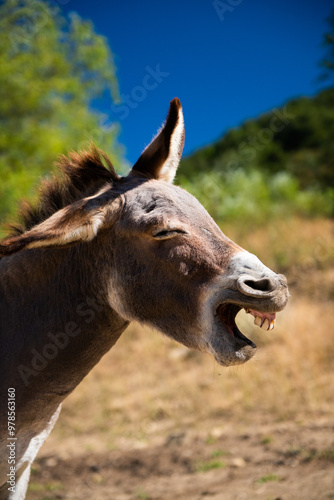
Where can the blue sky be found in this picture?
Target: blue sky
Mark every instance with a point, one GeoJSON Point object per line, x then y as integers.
{"type": "Point", "coordinates": [226, 60]}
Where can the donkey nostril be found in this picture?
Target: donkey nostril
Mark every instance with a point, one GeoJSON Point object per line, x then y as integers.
{"type": "Point", "coordinates": [263, 285]}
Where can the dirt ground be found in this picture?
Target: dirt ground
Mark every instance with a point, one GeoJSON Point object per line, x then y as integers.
{"type": "Point", "coordinates": [285, 461]}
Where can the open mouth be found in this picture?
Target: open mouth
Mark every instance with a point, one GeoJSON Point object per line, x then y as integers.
{"type": "Point", "coordinates": [227, 313]}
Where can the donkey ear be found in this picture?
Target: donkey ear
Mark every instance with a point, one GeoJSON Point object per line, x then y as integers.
{"type": "Point", "coordinates": [161, 158]}
{"type": "Point", "coordinates": [76, 223]}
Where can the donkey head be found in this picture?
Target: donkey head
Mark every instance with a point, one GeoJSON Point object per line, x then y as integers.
{"type": "Point", "coordinates": [175, 269]}
{"type": "Point", "coordinates": [166, 262]}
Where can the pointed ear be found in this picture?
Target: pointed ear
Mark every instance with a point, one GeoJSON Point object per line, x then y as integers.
{"type": "Point", "coordinates": [161, 158]}
{"type": "Point", "coordinates": [76, 223]}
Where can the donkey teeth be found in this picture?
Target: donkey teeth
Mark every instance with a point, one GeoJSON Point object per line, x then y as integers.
{"type": "Point", "coordinates": [265, 324]}
{"type": "Point", "coordinates": [258, 321]}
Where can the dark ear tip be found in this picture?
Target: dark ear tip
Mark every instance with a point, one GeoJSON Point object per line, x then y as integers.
{"type": "Point", "coordinates": [176, 103]}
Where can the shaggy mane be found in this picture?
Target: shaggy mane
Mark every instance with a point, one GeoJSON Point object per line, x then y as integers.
{"type": "Point", "coordinates": [80, 175]}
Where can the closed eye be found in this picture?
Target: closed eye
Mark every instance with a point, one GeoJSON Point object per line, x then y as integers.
{"type": "Point", "coordinates": [165, 234]}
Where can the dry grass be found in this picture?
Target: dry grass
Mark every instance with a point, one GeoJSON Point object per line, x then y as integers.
{"type": "Point", "coordinates": [294, 245]}
{"type": "Point", "coordinates": [149, 387]}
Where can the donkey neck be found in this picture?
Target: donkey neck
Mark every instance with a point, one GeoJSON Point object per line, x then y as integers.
{"type": "Point", "coordinates": [65, 324]}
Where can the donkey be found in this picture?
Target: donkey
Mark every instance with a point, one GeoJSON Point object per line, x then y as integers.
{"type": "Point", "coordinates": [98, 251]}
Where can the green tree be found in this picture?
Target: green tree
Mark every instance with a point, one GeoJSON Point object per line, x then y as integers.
{"type": "Point", "coordinates": [296, 138]}
{"type": "Point", "coordinates": [52, 70]}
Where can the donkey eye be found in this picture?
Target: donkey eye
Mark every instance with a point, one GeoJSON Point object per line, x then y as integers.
{"type": "Point", "coordinates": [165, 234]}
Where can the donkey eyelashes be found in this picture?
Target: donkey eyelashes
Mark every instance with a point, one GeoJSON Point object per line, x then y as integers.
{"type": "Point", "coordinates": [166, 234]}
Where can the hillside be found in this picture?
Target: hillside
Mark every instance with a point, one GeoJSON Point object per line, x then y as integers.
{"type": "Point", "coordinates": [284, 157]}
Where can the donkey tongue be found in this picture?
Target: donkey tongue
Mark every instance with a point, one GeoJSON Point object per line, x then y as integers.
{"type": "Point", "coordinates": [266, 321]}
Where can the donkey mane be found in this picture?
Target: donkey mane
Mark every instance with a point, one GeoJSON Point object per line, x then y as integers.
{"type": "Point", "coordinates": [78, 175]}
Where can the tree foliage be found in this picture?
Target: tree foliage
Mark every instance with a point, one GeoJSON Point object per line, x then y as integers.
{"type": "Point", "coordinates": [281, 162]}
{"type": "Point", "coordinates": [277, 141]}
{"type": "Point", "coordinates": [52, 70]}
